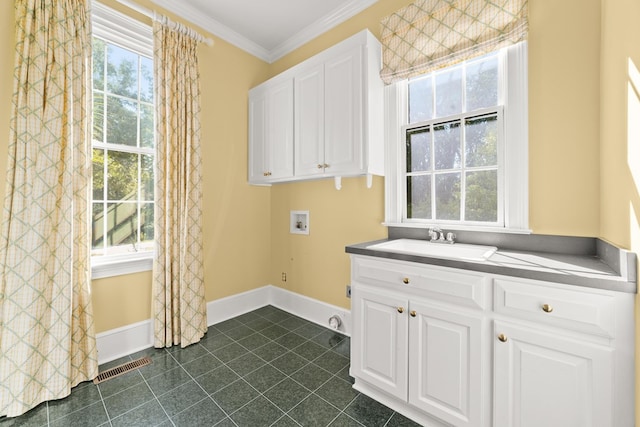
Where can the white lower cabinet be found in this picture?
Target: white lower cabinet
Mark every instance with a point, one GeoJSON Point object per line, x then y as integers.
{"type": "Point", "coordinates": [445, 363]}
{"type": "Point", "coordinates": [543, 379]}
{"type": "Point", "coordinates": [381, 336]}
{"type": "Point", "coordinates": [452, 347]}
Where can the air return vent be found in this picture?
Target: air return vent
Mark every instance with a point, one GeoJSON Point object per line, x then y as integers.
{"type": "Point", "coordinates": [121, 370]}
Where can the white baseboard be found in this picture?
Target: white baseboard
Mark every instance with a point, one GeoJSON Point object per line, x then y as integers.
{"type": "Point", "coordinates": [123, 341]}
{"type": "Point", "coordinates": [310, 309]}
{"type": "Point", "coordinates": [129, 339]}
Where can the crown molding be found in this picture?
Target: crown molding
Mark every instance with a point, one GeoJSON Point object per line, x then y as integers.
{"type": "Point", "coordinates": [321, 26]}
{"type": "Point", "coordinates": [327, 22]}
{"type": "Point", "coordinates": [214, 27]}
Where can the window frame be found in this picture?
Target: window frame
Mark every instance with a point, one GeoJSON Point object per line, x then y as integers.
{"type": "Point", "coordinates": [514, 151]}
{"type": "Point", "coordinates": [121, 30]}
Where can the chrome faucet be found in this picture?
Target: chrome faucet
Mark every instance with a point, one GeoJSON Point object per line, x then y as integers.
{"type": "Point", "coordinates": [436, 235]}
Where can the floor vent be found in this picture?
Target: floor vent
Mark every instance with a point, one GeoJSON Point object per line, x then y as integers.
{"type": "Point", "coordinates": [121, 370]}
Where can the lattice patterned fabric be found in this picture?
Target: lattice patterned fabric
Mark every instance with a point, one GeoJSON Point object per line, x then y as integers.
{"type": "Point", "coordinates": [47, 341]}
{"type": "Point", "coordinates": [431, 34]}
{"type": "Point", "coordinates": [178, 278]}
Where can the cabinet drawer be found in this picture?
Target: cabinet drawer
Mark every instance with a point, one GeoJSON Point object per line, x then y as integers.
{"type": "Point", "coordinates": [580, 310]}
{"type": "Point", "coordinates": [433, 282]}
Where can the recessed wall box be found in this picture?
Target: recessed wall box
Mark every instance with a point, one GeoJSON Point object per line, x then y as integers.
{"type": "Point", "coordinates": [299, 222]}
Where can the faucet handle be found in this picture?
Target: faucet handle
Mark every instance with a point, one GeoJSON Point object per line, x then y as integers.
{"type": "Point", "coordinates": [451, 237]}
{"type": "Point", "coordinates": [433, 233]}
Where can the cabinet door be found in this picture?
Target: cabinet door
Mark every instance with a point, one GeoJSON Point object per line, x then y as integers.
{"type": "Point", "coordinates": [309, 119]}
{"type": "Point", "coordinates": [280, 130]}
{"type": "Point", "coordinates": [343, 113]}
{"type": "Point", "coordinates": [445, 362]}
{"type": "Point", "coordinates": [379, 342]}
{"type": "Point", "coordinates": [542, 379]}
{"type": "Point", "coordinates": [257, 137]}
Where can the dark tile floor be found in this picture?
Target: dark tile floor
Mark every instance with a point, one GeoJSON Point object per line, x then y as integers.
{"type": "Point", "coordinates": [263, 368]}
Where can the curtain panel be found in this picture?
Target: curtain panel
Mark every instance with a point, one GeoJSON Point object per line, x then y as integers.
{"type": "Point", "coordinates": [47, 340]}
{"type": "Point", "coordinates": [431, 34]}
{"type": "Point", "coordinates": [179, 303]}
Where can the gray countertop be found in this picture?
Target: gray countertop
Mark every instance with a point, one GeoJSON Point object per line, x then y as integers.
{"type": "Point", "coordinates": [572, 269]}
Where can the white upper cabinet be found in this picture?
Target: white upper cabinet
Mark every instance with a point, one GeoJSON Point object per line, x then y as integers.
{"type": "Point", "coordinates": [329, 117]}
{"type": "Point", "coordinates": [271, 131]}
{"type": "Point", "coordinates": [309, 122]}
{"type": "Point", "coordinates": [337, 113]}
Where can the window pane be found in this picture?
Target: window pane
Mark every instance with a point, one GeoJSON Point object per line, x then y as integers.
{"type": "Point", "coordinates": [98, 174]}
{"type": "Point", "coordinates": [418, 150]}
{"type": "Point", "coordinates": [98, 117]}
{"type": "Point", "coordinates": [122, 176]}
{"type": "Point", "coordinates": [420, 100]}
{"type": "Point", "coordinates": [122, 121]}
{"type": "Point", "coordinates": [98, 64]}
{"type": "Point", "coordinates": [449, 92]}
{"type": "Point", "coordinates": [146, 223]}
{"type": "Point", "coordinates": [122, 223]}
{"type": "Point", "coordinates": [146, 126]}
{"type": "Point", "coordinates": [97, 226]}
{"type": "Point", "coordinates": [448, 196]}
{"type": "Point", "coordinates": [481, 202]}
{"type": "Point", "coordinates": [146, 177]}
{"type": "Point", "coordinates": [146, 79]}
{"type": "Point", "coordinates": [122, 72]}
{"type": "Point", "coordinates": [419, 196]}
{"type": "Point", "coordinates": [481, 148]}
{"type": "Point", "coordinates": [482, 84]}
{"type": "Point", "coordinates": [446, 145]}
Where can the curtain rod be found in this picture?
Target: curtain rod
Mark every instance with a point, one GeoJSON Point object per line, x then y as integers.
{"type": "Point", "coordinates": [156, 17]}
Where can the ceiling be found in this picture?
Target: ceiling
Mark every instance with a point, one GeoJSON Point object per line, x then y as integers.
{"type": "Point", "coordinates": [268, 29]}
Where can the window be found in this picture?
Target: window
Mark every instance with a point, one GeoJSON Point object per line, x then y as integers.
{"type": "Point", "coordinates": [458, 154]}
{"type": "Point", "coordinates": [122, 142]}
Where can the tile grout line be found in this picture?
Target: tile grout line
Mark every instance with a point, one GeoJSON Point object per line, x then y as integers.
{"type": "Point", "coordinates": [155, 396]}
{"type": "Point", "coordinates": [104, 405]}
{"type": "Point", "coordinates": [261, 394]}
{"type": "Point", "coordinates": [208, 396]}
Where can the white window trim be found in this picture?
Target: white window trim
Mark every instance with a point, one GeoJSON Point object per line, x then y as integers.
{"type": "Point", "coordinates": [119, 29]}
{"type": "Point", "coordinates": [516, 151]}
{"type": "Point", "coordinates": [117, 265]}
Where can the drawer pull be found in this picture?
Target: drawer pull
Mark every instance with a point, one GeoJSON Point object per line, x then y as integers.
{"type": "Point", "coordinates": [413, 313]}
{"type": "Point", "coordinates": [405, 280]}
{"type": "Point", "coordinates": [547, 308]}
{"type": "Point", "coordinates": [400, 309]}
{"type": "Point", "coordinates": [502, 338]}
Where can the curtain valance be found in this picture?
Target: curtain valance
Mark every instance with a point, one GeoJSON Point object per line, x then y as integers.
{"type": "Point", "coordinates": [431, 34]}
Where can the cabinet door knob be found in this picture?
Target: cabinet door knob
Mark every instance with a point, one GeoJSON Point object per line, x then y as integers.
{"type": "Point", "coordinates": [405, 280]}
{"type": "Point", "coordinates": [547, 308]}
{"type": "Point", "coordinates": [320, 166]}
{"type": "Point", "coordinates": [326, 165]}
{"type": "Point", "coordinates": [502, 337]}
{"type": "Point", "coordinates": [413, 313]}
{"type": "Point", "coordinates": [400, 309]}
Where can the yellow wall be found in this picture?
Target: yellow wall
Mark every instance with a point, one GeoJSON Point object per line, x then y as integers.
{"type": "Point", "coordinates": [620, 133]}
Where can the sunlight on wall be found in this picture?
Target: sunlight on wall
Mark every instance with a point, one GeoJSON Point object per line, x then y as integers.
{"type": "Point", "coordinates": [633, 125]}
{"type": "Point", "coordinates": [633, 149]}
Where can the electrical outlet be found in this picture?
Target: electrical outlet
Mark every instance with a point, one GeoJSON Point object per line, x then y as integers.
{"type": "Point", "coordinates": [348, 291]}
{"type": "Point", "coordinates": [284, 276]}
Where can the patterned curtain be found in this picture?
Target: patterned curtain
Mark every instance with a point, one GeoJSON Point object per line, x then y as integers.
{"type": "Point", "coordinates": [178, 278]}
{"type": "Point", "coordinates": [47, 342]}
{"type": "Point", "coordinates": [431, 34]}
